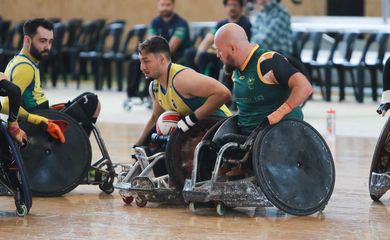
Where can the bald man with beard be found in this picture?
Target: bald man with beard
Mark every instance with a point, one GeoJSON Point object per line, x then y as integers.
{"type": "Point", "coordinates": [267, 88]}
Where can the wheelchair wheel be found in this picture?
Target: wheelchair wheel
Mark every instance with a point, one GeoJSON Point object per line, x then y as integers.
{"type": "Point", "coordinates": [180, 151]}
{"type": "Point", "coordinates": [294, 167]}
{"type": "Point", "coordinates": [14, 172]}
{"type": "Point", "coordinates": [381, 159]}
{"type": "Point", "coordinates": [55, 168]}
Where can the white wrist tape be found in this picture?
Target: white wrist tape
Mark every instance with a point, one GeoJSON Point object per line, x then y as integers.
{"type": "Point", "coordinates": [385, 97]}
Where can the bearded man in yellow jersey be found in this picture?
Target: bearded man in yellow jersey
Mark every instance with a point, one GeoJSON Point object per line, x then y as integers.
{"type": "Point", "coordinates": [193, 95]}
{"type": "Point", "coordinates": [23, 71]}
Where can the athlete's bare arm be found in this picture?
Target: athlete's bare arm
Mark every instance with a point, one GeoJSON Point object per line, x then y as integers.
{"type": "Point", "coordinates": [189, 84]}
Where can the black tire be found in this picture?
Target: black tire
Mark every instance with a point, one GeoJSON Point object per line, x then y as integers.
{"type": "Point", "coordinates": [54, 168]}
{"type": "Point", "coordinates": [308, 184]}
{"type": "Point", "coordinates": [379, 163]}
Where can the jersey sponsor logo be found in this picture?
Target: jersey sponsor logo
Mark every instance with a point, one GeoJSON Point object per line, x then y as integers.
{"type": "Point", "coordinates": [249, 100]}
{"type": "Point", "coordinates": [251, 82]}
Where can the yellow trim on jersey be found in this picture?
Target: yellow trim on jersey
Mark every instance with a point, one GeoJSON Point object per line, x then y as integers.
{"type": "Point", "coordinates": [263, 57]}
{"type": "Point", "coordinates": [24, 70]}
{"type": "Point", "coordinates": [170, 100]}
{"type": "Point", "coordinates": [248, 58]}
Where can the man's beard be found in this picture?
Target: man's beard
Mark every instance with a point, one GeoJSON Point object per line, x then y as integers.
{"type": "Point", "coordinates": [229, 66]}
{"type": "Point", "coordinates": [166, 14]}
{"type": "Point", "coordinates": [35, 53]}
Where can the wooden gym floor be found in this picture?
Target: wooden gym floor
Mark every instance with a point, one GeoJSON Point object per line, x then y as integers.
{"type": "Point", "coordinates": [86, 213]}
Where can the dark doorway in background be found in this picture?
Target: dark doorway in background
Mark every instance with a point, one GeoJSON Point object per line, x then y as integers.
{"type": "Point", "coordinates": [345, 8]}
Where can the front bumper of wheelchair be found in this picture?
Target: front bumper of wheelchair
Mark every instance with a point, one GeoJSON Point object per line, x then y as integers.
{"type": "Point", "coordinates": [380, 184]}
{"type": "Point", "coordinates": [239, 193]}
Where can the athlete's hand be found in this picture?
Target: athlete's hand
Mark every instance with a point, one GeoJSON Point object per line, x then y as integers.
{"type": "Point", "coordinates": [18, 134]}
{"type": "Point", "coordinates": [187, 122]}
{"type": "Point", "coordinates": [3, 76]}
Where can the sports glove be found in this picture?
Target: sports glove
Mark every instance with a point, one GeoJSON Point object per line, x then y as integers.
{"type": "Point", "coordinates": [54, 127]}
{"type": "Point", "coordinates": [385, 103]}
{"type": "Point", "coordinates": [187, 122]}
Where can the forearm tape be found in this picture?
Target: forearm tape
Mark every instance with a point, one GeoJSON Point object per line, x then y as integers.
{"type": "Point", "coordinates": [279, 113]}
{"type": "Point", "coordinates": [385, 97]}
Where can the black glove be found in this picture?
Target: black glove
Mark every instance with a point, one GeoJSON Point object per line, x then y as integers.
{"type": "Point", "coordinates": [383, 108]}
{"type": "Point", "coordinates": [187, 122]}
{"type": "Point", "coordinates": [385, 103]}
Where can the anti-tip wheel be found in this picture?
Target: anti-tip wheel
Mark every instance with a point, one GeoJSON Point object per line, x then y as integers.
{"type": "Point", "coordinates": [193, 207]}
{"type": "Point", "coordinates": [220, 209]}
{"type": "Point", "coordinates": [106, 187]}
{"type": "Point", "coordinates": [21, 210]}
{"type": "Point", "coordinates": [140, 201]}
{"type": "Point", "coordinates": [128, 200]}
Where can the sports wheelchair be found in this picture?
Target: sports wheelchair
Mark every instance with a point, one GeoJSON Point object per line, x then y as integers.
{"type": "Point", "coordinates": [54, 168]}
{"type": "Point", "coordinates": [379, 179]}
{"type": "Point", "coordinates": [13, 175]}
{"type": "Point", "coordinates": [289, 166]}
{"type": "Point", "coordinates": [158, 170]}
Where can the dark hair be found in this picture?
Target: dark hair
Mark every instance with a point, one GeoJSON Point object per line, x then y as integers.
{"type": "Point", "coordinates": [241, 2]}
{"type": "Point", "coordinates": [173, 1]}
{"type": "Point", "coordinates": [30, 26]}
{"type": "Point", "coordinates": [155, 45]}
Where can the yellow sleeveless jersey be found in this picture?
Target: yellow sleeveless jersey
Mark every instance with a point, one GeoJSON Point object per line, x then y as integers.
{"type": "Point", "coordinates": [23, 71]}
{"type": "Point", "coordinates": [170, 99]}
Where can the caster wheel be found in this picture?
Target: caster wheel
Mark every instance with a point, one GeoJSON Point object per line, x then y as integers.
{"type": "Point", "coordinates": [193, 208]}
{"type": "Point", "coordinates": [21, 210]}
{"type": "Point", "coordinates": [220, 209]}
{"type": "Point", "coordinates": [140, 201]}
{"type": "Point", "coordinates": [128, 200]}
{"type": "Point", "coordinates": [106, 187]}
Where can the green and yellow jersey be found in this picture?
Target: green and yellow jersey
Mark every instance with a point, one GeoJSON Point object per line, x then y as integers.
{"type": "Point", "coordinates": [23, 71]}
{"type": "Point", "coordinates": [261, 87]}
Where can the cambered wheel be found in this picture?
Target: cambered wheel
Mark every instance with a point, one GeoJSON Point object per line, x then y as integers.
{"type": "Point", "coordinates": [381, 158]}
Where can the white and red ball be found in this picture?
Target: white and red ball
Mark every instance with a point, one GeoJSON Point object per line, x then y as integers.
{"type": "Point", "coordinates": [167, 122]}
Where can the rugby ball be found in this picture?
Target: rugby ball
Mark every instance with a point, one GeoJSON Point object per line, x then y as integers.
{"type": "Point", "coordinates": [167, 123]}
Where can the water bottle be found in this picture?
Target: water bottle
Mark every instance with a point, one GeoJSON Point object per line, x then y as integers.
{"type": "Point", "coordinates": [331, 130]}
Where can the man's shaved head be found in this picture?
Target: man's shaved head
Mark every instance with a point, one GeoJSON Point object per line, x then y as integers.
{"type": "Point", "coordinates": [231, 43]}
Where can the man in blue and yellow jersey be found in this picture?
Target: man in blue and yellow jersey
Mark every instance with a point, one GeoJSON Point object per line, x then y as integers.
{"type": "Point", "coordinates": [193, 95]}
{"type": "Point", "coordinates": [23, 71]}
{"type": "Point", "coordinates": [266, 85]}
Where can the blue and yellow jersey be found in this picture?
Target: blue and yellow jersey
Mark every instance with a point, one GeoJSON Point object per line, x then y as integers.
{"type": "Point", "coordinates": [170, 99]}
{"type": "Point", "coordinates": [23, 71]}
